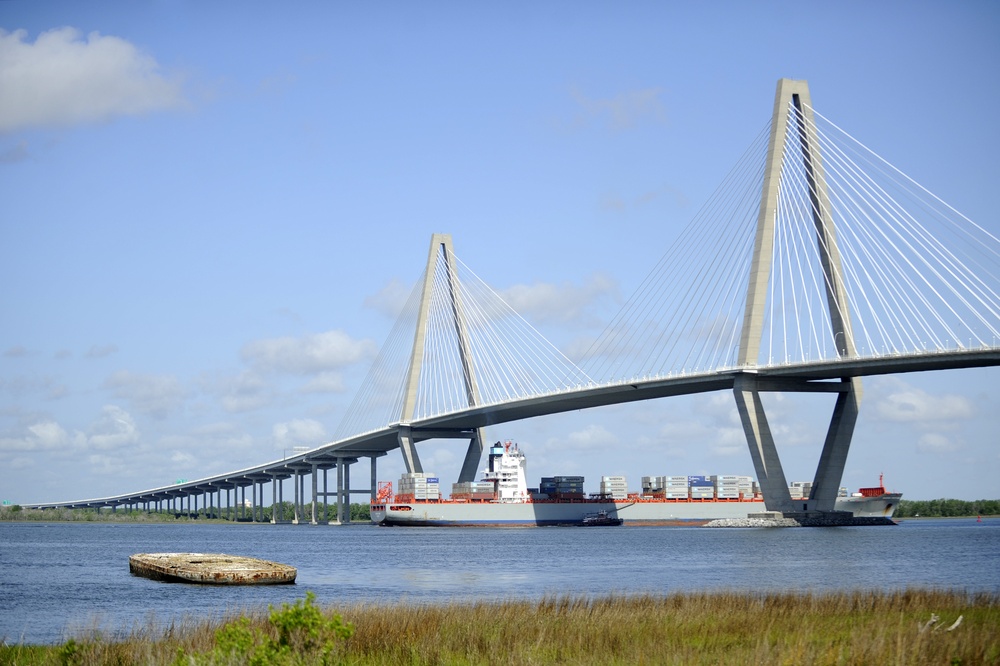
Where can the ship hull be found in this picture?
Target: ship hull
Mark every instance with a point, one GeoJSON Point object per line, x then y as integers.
{"type": "Point", "coordinates": [556, 513]}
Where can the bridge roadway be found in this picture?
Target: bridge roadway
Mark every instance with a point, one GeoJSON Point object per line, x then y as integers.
{"type": "Point", "coordinates": [823, 376]}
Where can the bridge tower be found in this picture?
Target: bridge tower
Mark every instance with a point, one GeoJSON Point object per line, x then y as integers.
{"type": "Point", "coordinates": [442, 256]}
{"type": "Point", "coordinates": [795, 138]}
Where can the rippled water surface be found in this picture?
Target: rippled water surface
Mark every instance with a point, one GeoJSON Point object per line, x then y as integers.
{"type": "Point", "coordinates": [58, 579]}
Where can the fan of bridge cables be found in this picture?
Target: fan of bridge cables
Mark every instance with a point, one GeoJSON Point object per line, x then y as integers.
{"type": "Point", "coordinates": [919, 276]}
{"type": "Point", "coordinates": [504, 357]}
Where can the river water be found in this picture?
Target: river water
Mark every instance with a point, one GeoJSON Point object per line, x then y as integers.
{"type": "Point", "coordinates": [59, 580]}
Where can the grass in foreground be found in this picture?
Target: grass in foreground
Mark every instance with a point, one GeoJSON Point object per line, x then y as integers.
{"type": "Point", "coordinates": [697, 628]}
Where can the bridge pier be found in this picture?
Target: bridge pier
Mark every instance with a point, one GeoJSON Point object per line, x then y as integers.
{"type": "Point", "coordinates": [747, 389]}
{"type": "Point", "coordinates": [312, 517]}
{"type": "Point", "coordinates": [340, 491]}
{"type": "Point", "coordinates": [833, 459]}
{"type": "Point", "coordinates": [766, 462]}
{"type": "Point", "coordinates": [793, 116]}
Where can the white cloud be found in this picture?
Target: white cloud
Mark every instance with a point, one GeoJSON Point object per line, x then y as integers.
{"type": "Point", "coordinates": [936, 443]}
{"type": "Point", "coordinates": [299, 432]}
{"type": "Point", "coordinates": [910, 404]}
{"type": "Point", "coordinates": [593, 437]}
{"type": "Point", "coordinates": [115, 429]}
{"type": "Point", "coordinates": [389, 300]}
{"type": "Point", "coordinates": [563, 303]}
{"type": "Point", "coordinates": [101, 351]}
{"type": "Point", "coordinates": [182, 458]}
{"type": "Point", "coordinates": [623, 111]}
{"type": "Point", "coordinates": [41, 436]}
{"type": "Point", "coordinates": [326, 382]}
{"type": "Point", "coordinates": [105, 465]}
{"type": "Point", "coordinates": [63, 79]}
{"type": "Point", "coordinates": [151, 394]}
{"type": "Point", "coordinates": [246, 392]}
{"type": "Point", "coordinates": [309, 354]}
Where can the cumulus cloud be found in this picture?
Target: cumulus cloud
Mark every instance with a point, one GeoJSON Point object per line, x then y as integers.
{"type": "Point", "coordinates": [113, 430]}
{"type": "Point", "coordinates": [150, 394]}
{"type": "Point", "coordinates": [65, 79]}
{"type": "Point", "coordinates": [617, 203]}
{"type": "Point", "coordinates": [246, 392]}
{"type": "Point", "coordinates": [906, 403]}
{"type": "Point", "coordinates": [593, 437]}
{"type": "Point", "coordinates": [564, 303]}
{"type": "Point", "coordinates": [299, 432]}
{"type": "Point", "coordinates": [936, 443]}
{"type": "Point", "coordinates": [101, 351]}
{"type": "Point", "coordinates": [390, 299]}
{"type": "Point", "coordinates": [108, 465]}
{"type": "Point", "coordinates": [310, 354]}
{"type": "Point", "coordinates": [623, 111]}
{"type": "Point", "coordinates": [40, 436]}
{"type": "Point", "coordinates": [325, 382]}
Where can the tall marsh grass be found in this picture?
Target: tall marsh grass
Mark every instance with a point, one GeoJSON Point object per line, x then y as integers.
{"type": "Point", "coordinates": [863, 627]}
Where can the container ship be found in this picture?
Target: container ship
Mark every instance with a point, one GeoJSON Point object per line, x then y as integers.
{"type": "Point", "coordinates": [502, 498]}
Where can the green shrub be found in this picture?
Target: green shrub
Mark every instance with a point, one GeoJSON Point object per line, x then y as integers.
{"type": "Point", "coordinates": [304, 635]}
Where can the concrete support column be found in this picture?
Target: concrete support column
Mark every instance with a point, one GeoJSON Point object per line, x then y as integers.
{"type": "Point", "coordinates": [766, 463]}
{"type": "Point", "coordinates": [295, 501]}
{"type": "Point", "coordinates": [340, 491]}
{"type": "Point", "coordinates": [347, 494]}
{"type": "Point", "coordinates": [374, 485]}
{"type": "Point", "coordinates": [470, 467]}
{"type": "Point", "coordinates": [253, 501]}
{"type": "Point", "coordinates": [312, 512]}
{"type": "Point", "coordinates": [302, 495]}
{"type": "Point", "coordinates": [326, 497]}
{"type": "Point", "coordinates": [274, 499]}
{"type": "Point", "coordinates": [833, 459]}
{"type": "Point", "coordinates": [409, 450]}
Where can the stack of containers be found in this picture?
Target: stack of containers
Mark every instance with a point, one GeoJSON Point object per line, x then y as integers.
{"type": "Point", "coordinates": [615, 486]}
{"type": "Point", "coordinates": [800, 489]}
{"type": "Point", "coordinates": [701, 487]}
{"type": "Point", "coordinates": [420, 485]}
{"type": "Point", "coordinates": [474, 490]}
{"type": "Point", "coordinates": [570, 487]}
{"type": "Point", "coordinates": [745, 484]}
{"type": "Point", "coordinates": [671, 487]}
{"type": "Point", "coordinates": [675, 487]}
{"type": "Point", "coordinates": [727, 486]}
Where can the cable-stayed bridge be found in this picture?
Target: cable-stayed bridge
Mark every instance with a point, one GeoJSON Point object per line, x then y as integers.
{"type": "Point", "coordinates": [814, 264]}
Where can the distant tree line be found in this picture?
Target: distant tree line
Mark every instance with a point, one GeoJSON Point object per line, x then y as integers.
{"type": "Point", "coordinates": [359, 513]}
{"type": "Point", "coordinates": [946, 508]}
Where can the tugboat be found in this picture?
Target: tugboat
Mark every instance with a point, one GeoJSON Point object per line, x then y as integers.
{"type": "Point", "coordinates": [601, 519]}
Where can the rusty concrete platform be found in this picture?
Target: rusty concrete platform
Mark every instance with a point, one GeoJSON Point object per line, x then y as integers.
{"type": "Point", "coordinates": [211, 569]}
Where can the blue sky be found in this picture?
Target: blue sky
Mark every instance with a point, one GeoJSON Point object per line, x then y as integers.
{"type": "Point", "coordinates": [210, 211]}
